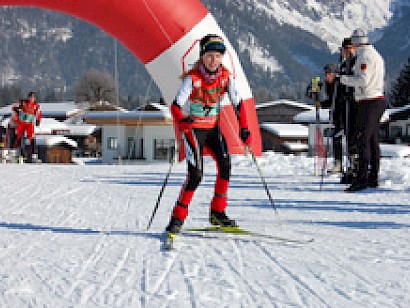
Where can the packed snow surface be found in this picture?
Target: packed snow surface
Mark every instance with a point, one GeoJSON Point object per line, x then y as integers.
{"type": "Point", "coordinates": [74, 236]}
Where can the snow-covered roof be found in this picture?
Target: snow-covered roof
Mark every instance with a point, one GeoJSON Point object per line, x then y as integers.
{"type": "Point", "coordinates": [284, 102]}
{"type": "Point", "coordinates": [310, 116]}
{"type": "Point", "coordinates": [392, 113]}
{"type": "Point", "coordinates": [63, 109]}
{"type": "Point", "coordinates": [160, 107]}
{"type": "Point", "coordinates": [129, 114]}
{"type": "Point", "coordinates": [394, 150]}
{"type": "Point", "coordinates": [81, 129]}
{"type": "Point", "coordinates": [296, 146]}
{"type": "Point", "coordinates": [47, 125]}
{"type": "Point", "coordinates": [6, 110]}
{"type": "Point", "coordinates": [286, 130]}
{"type": "Point", "coordinates": [49, 110]}
{"type": "Point", "coordinates": [53, 140]}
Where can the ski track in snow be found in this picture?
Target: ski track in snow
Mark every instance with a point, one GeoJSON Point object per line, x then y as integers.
{"type": "Point", "coordinates": [72, 236]}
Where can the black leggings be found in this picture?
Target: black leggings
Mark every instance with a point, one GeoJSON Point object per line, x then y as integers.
{"type": "Point", "coordinates": [216, 144]}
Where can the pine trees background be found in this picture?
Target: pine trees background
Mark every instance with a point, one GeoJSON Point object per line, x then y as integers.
{"type": "Point", "coordinates": [400, 93]}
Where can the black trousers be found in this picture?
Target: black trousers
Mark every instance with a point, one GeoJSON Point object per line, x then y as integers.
{"type": "Point", "coordinates": [216, 143]}
{"type": "Point", "coordinates": [369, 114]}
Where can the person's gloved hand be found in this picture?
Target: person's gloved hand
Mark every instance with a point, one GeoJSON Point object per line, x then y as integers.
{"type": "Point", "coordinates": [245, 135]}
{"type": "Point", "coordinates": [185, 124]}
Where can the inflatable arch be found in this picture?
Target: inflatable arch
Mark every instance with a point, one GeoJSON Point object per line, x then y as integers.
{"type": "Point", "coordinates": [163, 36]}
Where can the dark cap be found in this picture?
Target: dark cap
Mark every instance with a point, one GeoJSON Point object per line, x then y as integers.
{"type": "Point", "coordinates": [211, 42]}
{"type": "Point", "coordinates": [347, 41]}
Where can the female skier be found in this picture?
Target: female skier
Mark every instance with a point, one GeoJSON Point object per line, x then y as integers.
{"type": "Point", "coordinates": [196, 112]}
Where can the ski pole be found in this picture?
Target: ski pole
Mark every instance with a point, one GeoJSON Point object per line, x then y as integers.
{"type": "Point", "coordinates": [262, 178]}
{"type": "Point", "coordinates": [173, 159]}
{"type": "Point", "coordinates": [324, 164]}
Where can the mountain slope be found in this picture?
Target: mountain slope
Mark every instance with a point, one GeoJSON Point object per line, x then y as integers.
{"type": "Point", "coordinates": [281, 43]}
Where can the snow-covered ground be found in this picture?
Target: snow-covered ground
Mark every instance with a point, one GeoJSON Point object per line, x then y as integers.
{"type": "Point", "coordinates": [73, 236]}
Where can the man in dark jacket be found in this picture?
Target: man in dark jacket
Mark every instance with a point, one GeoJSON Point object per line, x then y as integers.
{"type": "Point", "coordinates": [347, 59]}
{"type": "Point", "coordinates": [334, 102]}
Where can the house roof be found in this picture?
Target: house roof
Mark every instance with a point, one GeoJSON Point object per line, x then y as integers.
{"type": "Point", "coordinates": [284, 102]}
{"type": "Point", "coordinates": [152, 106]}
{"type": "Point", "coordinates": [160, 117]}
{"type": "Point", "coordinates": [296, 146]}
{"type": "Point", "coordinates": [401, 113]}
{"type": "Point", "coordinates": [129, 114]}
{"type": "Point", "coordinates": [49, 110]}
{"type": "Point", "coordinates": [48, 125]}
{"type": "Point", "coordinates": [286, 130]}
{"type": "Point", "coordinates": [63, 109]}
{"type": "Point", "coordinates": [388, 115]}
{"type": "Point", "coordinates": [53, 140]}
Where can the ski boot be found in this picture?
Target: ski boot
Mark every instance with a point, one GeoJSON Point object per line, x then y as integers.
{"type": "Point", "coordinates": [221, 219]}
{"type": "Point", "coordinates": [174, 226]}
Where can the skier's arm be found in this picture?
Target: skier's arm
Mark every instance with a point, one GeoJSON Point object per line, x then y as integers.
{"type": "Point", "coordinates": [240, 110]}
{"type": "Point", "coordinates": [182, 120]}
{"type": "Point", "coordinates": [39, 116]}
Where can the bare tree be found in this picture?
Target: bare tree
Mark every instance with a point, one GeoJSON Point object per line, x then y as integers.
{"type": "Point", "coordinates": [96, 86]}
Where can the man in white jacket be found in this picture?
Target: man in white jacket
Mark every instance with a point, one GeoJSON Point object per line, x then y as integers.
{"type": "Point", "coordinates": [368, 83]}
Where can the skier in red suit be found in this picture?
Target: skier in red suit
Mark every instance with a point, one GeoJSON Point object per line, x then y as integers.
{"type": "Point", "coordinates": [29, 115]}
{"type": "Point", "coordinates": [196, 112]}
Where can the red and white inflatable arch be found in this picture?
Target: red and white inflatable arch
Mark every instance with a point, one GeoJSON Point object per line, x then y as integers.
{"type": "Point", "coordinates": [162, 35]}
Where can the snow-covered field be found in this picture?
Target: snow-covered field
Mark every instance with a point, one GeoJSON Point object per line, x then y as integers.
{"type": "Point", "coordinates": [73, 236]}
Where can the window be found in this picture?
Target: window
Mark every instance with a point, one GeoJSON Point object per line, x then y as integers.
{"type": "Point", "coordinates": [408, 130]}
{"type": "Point", "coordinates": [163, 148]}
{"type": "Point", "coordinates": [112, 143]}
{"type": "Point", "coordinates": [329, 132]}
{"type": "Point", "coordinates": [396, 132]}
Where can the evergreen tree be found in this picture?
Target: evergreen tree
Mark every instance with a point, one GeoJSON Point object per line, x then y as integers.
{"type": "Point", "coordinates": [400, 93]}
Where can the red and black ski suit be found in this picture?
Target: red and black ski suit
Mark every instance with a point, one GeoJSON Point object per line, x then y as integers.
{"type": "Point", "coordinates": [29, 115]}
{"type": "Point", "coordinates": [196, 112]}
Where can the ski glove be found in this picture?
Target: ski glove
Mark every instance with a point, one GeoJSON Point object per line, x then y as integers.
{"type": "Point", "coordinates": [245, 135]}
{"type": "Point", "coordinates": [185, 124]}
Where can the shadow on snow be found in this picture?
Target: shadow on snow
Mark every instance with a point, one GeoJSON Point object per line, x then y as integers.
{"type": "Point", "coordinates": [67, 230]}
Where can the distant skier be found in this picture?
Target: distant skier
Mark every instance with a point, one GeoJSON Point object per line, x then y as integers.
{"type": "Point", "coordinates": [29, 115]}
{"type": "Point", "coordinates": [335, 105]}
{"type": "Point", "coordinates": [196, 112]}
{"type": "Point", "coordinates": [12, 125]}
{"type": "Point", "coordinates": [368, 82]}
